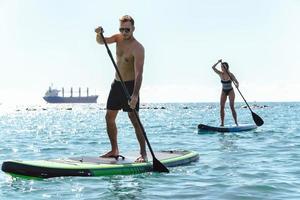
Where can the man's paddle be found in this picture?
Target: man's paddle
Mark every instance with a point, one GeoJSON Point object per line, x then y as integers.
{"type": "Point", "coordinates": [257, 119]}
{"type": "Point", "coordinates": [157, 165]}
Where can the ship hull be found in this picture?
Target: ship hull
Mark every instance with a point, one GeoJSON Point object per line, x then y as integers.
{"type": "Point", "coordinates": [89, 99]}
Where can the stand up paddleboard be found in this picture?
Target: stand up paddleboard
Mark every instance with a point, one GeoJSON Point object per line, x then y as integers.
{"type": "Point", "coordinates": [94, 166]}
{"type": "Point", "coordinates": [229, 128]}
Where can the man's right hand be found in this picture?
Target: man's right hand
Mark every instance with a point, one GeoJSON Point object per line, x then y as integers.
{"type": "Point", "coordinates": [99, 30]}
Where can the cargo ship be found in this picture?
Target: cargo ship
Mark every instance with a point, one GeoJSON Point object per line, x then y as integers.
{"type": "Point", "coordinates": [52, 96]}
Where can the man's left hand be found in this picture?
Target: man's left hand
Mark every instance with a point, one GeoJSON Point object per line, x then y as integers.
{"type": "Point", "coordinates": [133, 101]}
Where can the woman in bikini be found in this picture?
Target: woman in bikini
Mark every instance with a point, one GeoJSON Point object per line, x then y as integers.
{"type": "Point", "coordinates": [227, 90]}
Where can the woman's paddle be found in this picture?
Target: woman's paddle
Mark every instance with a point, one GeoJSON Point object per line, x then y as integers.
{"type": "Point", "coordinates": [257, 119]}
{"type": "Point", "coordinates": [157, 165]}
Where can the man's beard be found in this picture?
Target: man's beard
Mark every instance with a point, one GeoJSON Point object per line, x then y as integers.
{"type": "Point", "coordinates": [127, 37]}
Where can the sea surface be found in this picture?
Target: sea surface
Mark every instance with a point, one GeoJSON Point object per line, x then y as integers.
{"type": "Point", "coordinates": [259, 164]}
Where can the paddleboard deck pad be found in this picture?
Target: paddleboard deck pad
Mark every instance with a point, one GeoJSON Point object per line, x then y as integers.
{"type": "Point", "coordinates": [230, 128]}
{"type": "Point", "coordinates": [95, 166]}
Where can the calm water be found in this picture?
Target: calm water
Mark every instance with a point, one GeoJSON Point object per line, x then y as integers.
{"type": "Point", "coordinates": [260, 164]}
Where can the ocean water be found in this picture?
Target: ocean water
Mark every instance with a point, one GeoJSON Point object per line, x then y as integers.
{"type": "Point", "coordinates": [259, 164]}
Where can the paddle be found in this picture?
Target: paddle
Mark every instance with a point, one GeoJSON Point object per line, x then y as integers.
{"type": "Point", "coordinates": [257, 119]}
{"type": "Point", "coordinates": [157, 165]}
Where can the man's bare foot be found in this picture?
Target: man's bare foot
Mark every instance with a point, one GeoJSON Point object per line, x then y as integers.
{"type": "Point", "coordinates": [110, 154]}
{"type": "Point", "coordinates": [141, 159]}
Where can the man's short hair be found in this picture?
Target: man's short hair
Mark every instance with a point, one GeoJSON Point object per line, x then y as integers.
{"type": "Point", "coordinates": [127, 18]}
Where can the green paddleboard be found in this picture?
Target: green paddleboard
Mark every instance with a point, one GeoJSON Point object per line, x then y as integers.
{"type": "Point", "coordinates": [94, 166]}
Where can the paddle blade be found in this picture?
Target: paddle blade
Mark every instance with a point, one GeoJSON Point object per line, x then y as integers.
{"type": "Point", "coordinates": [158, 166]}
{"type": "Point", "coordinates": [258, 121]}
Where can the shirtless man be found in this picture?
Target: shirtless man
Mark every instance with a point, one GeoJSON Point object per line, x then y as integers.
{"type": "Point", "coordinates": [130, 61]}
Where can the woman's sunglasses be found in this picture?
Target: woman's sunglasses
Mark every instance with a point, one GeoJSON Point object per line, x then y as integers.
{"type": "Point", "coordinates": [126, 30]}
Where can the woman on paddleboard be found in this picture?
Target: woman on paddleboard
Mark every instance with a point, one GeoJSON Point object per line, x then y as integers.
{"type": "Point", "coordinates": [227, 90]}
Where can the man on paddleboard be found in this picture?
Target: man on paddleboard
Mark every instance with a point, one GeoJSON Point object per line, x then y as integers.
{"type": "Point", "coordinates": [130, 62]}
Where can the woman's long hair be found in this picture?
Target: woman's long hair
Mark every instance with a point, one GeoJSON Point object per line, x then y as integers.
{"type": "Point", "coordinates": [225, 64]}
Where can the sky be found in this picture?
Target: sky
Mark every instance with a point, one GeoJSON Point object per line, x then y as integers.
{"type": "Point", "coordinates": [53, 42]}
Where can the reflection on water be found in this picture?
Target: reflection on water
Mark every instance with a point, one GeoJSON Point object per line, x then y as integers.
{"type": "Point", "coordinates": [228, 142]}
{"type": "Point", "coordinates": [125, 187]}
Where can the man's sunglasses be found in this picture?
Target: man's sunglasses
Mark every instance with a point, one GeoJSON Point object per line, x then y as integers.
{"type": "Point", "coordinates": [126, 30]}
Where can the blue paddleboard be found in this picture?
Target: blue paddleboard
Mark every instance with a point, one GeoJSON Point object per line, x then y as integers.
{"type": "Point", "coordinates": [228, 128]}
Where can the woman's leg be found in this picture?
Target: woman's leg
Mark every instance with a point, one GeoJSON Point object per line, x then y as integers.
{"type": "Point", "coordinates": [231, 100]}
{"type": "Point", "coordinates": [222, 107]}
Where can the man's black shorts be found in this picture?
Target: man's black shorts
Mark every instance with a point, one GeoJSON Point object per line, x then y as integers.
{"type": "Point", "coordinates": [117, 99]}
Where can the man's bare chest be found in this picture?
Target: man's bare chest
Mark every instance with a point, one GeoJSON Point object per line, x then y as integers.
{"type": "Point", "coordinates": [124, 52]}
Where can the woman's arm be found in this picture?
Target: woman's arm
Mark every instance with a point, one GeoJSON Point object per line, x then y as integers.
{"type": "Point", "coordinates": [234, 80]}
{"type": "Point", "coordinates": [215, 69]}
